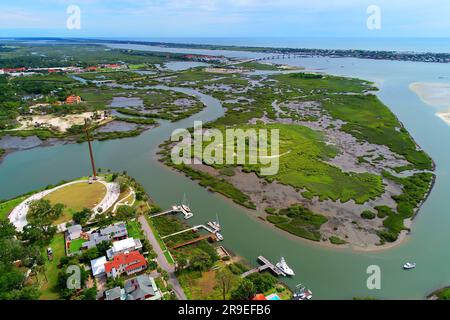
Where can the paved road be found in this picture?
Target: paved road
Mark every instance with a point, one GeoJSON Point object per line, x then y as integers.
{"type": "Point", "coordinates": [162, 259]}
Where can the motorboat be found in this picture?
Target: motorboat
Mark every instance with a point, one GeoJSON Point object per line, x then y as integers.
{"type": "Point", "coordinates": [302, 293]}
{"type": "Point", "coordinates": [219, 236]}
{"type": "Point", "coordinates": [282, 265]}
{"type": "Point", "coordinates": [409, 265]}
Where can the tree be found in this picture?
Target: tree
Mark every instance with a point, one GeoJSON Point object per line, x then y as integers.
{"type": "Point", "coordinates": [89, 294]}
{"type": "Point", "coordinates": [263, 281]}
{"type": "Point", "coordinates": [42, 212]}
{"type": "Point", "coordinates": [40, 234]}
{"type": "Point", "coordinates": [7, 229]}
{"type": "Point", "coordinates": [200, 260]}
{"type": "Point", "coordinates": [81, 217]}
{"type": "Point", "coordinates": [181, 261]}
{"type": "Point", "coordinates": [244, 291]}
{"type": "Point", "coordinates": [126, 212]}
{"type": "Point", "coordinates": [224, 278]}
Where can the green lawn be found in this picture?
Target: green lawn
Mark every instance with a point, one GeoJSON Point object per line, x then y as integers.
{"type": "Point", "coordinates": [76, 197]}
{"type": "Point", "coordinates": [8, 206]}
{"type": "Point", "coordinates": [134, 229]}
{"type": "Point", "coordinates": [160, 241]}
{"type": "Point", "coordinates": [49, 280]}
{"type": "Point", "coordinates": [75, 245]}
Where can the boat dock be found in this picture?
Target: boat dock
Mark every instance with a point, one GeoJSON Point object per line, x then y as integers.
{"type": "Point", "coordinates": [187, 243]}
{"type": "Point", "coordinates": [211, 228]}
{"type": "Point", "coordinates": [175, 209]}
{"type": "Point", "coordinates": [266, 264]}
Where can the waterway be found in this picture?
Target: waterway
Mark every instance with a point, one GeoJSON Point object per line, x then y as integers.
{"type": "Point", "coordinates": [330, 273]}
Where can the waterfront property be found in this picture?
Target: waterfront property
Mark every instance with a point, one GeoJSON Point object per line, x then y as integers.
{"type": "Point", "coordinates": [128, 263]}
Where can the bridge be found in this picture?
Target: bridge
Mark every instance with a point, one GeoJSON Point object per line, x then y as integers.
{"type": "Point", "coordinates": [266, 264]}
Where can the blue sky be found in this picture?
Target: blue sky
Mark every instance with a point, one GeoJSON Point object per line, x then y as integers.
{"type": "Point", "coordinates": [225, 18]}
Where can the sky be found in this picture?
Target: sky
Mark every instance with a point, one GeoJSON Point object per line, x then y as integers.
{"type": "Point", "coordinates": [225, 18]}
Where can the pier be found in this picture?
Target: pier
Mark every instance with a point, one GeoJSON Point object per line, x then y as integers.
{"type": "Point", "coordinates": [266, 265]}
{"type": "Point", "coordinates": [187, 243]}
{"type": "Point", "coordinates": [212, 229]}
{"type": "Point", "coordinates": [176, 209]}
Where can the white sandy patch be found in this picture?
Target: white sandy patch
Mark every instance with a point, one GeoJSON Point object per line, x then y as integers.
{"type": "Point", "coordinates": [59, 123]}
{"type": "Point", "coordinates": [433, 94]}
{"type": "Point", "coordinates": [436, 95]}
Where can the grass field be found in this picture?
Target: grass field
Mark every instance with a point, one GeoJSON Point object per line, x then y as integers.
{"type": "Point", "coordinates": [8, 206]}
{"type": "Point", "coordinates": [48, 281]}
{"type": "Point", "coordinates": [76, 197]}
{"type": "Point", "coordinates": [75, 245]}
{"type": "Point", "coordinates": [134, 229]}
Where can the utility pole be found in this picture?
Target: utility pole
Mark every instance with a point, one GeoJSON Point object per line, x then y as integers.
{"type": "Point", "coordinates": [91, 154]}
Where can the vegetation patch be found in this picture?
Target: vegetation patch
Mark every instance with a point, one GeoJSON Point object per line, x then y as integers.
{"type": "Point", "coordinates": [299, 221]}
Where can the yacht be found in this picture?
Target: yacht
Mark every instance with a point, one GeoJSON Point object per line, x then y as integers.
{"type": "Point", "coordinates": [409, 265]}
{"type": "Point", "coordinates": [301, 293]}
{"type": "Point", "coordinates": [282, 265]}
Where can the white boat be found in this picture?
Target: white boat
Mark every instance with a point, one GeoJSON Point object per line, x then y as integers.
{"type": "Point", "coordinates": [186, 208]}
{"type": "Point", "coordinates": [301, 293]}
{"type": "Point", "coordinates": [219, 236]}
{"type": "Point", "coordinates": [409, 265]}
{"type": "Point", "coordinates": [282, 265]}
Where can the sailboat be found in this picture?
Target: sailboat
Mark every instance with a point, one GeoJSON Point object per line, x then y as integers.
{"type": "Point", "coordinates": [185, 209]}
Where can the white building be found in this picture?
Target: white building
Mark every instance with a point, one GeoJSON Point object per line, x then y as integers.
{"type": "Point", "coordinates": [122, 246]}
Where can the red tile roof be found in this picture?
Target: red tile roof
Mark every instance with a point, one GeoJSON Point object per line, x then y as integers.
{"type": "Point", "coordinates": [259, 296]}
{"type": "Point", "coordinates": [73, 99]}
{"type": "Point", "coordinates": [130, 261]}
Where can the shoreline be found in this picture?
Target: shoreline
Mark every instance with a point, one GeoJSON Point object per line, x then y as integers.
{"type": "Point", "coordinates": [253, 214]}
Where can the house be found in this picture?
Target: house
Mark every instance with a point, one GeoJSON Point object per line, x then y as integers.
{"type": "Point", "coordinates": [142, 287]}
{"type": "Point", "coordinates": [128, 244]}
{"type": "Point", "coordinates": [116, 293]}
{"type": "Point", "coordinates": [98, 266]}
{"type": "Point", "coordinates": [114, 232]}
{"type": "Point", "coordinates": [258, 297]}
{"type": "Point", "coordinates": [92, 68]}
{"type": "Point", "coordinates": [128, 262]}
{"type": "Point", "coordinates": [74, 232]}
{"type": "Point", "coordinates": [94, 239]}
{"type": "Point", "coordinates": [73, 99]}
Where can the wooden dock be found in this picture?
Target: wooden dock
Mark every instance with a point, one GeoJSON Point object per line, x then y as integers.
{"type": "Point", "coordinates": [266, 264]}
{"type": "Point", "coordinates": [207, 236]}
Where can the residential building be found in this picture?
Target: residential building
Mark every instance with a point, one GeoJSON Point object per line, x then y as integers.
{"type": "Point", "coordinates": [116, 293]}
{"type": "Point", "coordinates": [142, 287]}
{"type": "Point", "coordinates": [98, 266]}
{"type": "Point", "coordinates": [73, 99]}
{"type": "Point", "coordinates": [74, 232]}
{"type": "Point", "coordinates": [128, 262]}
{"type": "Point", "coordinates": [114, 232]}
{"type": "Point", "coordinates": [94, 239]}
{"type": "Point", "coordinates": [122, 246]}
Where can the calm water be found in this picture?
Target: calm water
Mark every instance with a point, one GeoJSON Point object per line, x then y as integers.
{"type": "Point", "coordinates": [329, 273]}
{"type": "Point", "coordinates": [374, 43]}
